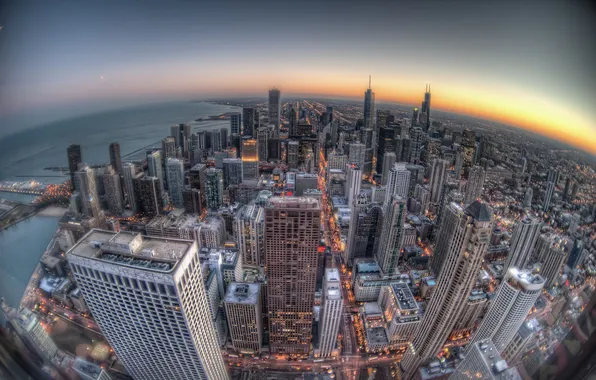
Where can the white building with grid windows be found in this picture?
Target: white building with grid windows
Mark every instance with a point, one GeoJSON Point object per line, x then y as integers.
{"type": "Point", "coordinates": [149, 299]}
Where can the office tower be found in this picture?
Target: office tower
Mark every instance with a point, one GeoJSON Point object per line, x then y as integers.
{"type": "Point", "coordinates": [292, 121]}
{"type": "Point", "coordinates": [528, 197]}
{"type": "Point", "coordinates": [392, 235]}
{"type": "Point", "coordinates": [551, 253]}
{"type": "Point", "coordinates": [578, 254]}
{"type": "Point", "coordinates": [357, 154]}
{"type": "Point", "coordinates": [548, 195]}
{"type": "Point", "coordinates": [292, 154]}
{"type": "Point", "coordinates": [263, 147]}
{"type": "Point", "coordinates": [175, 133]}
{"type": "Point", "coordinates": [386, 144]}
{"type": "Point", "coordinates": [463, 241]}
{"type": "Point", "coordinates": [417, 136]}
{"type": "Point", "coordinates": [168, 147]}
{"type": "Point", "coordinates": [249, 234]}
{"type": "Point", "coordinates": [483, 362]}
{"type": "Point", "coordinates": [475, 184]}
{"type": "Point", "coordinates": [181, 135]}
{"type": "Point", "coordinates": [522, 243]}
{"type": "Point", "coordinates": [115, 157]}
{"type": "Point", "coordinates": [331, 312]}
{"type": "Point", "coordinates": [553, 176]}
{"type": "Point", "coordinates": [384, 117]}
{"type": "Point", "coordinates": [235, 122]}
{"type": "Point", "coordinates": [273, 149]}
{"type": "Point", "coordinates": [389, 160]}
{"type": "Point", "coordinates": [196, 180]}
{"type": "Point", "coordinates": [193, 203]}
{"type": "Point", "coordinates": [245, 319]}
{"type": "Point", "coordinates": [175, 177]}
{"type": "Point", "coordinates": [232, 172]}
{"type": "Point", "coordinates": [398, 183]}
{"type": "Point", "coordinates": [448, 195]}
{"type": "Point", "coordinates": [459, 162]}
{"type": "Point", "coordinates": [336, 160]}
{"type": "Point", "coordinates": [214, 188]}
{"type": "Point", "coordinates": [433, 150]}
{"type": "Point", "coordinates": [425, 109]}
{"type": "Point", "coordinates": [368, 137]}
{"type": "Point", "coordinates": [129, 172]}
{"type": "Point", "coordinates": [250, 160]}
{"type": "Point", "coordinates": [146, 301]}
{"type": "Point", "coordinates": [438, 176]}
{"type": "Point", "coordinates": [219, 157]}
{"type": "Point", "coordinates": [86, 185]}
{"type": "Point", "coordinates": [150, 196]}
{"type": "Point", "coordinates": [223, 132]}
{"type": "Point", "coordinates": [291, 240]}
{"type": "Point", "coordinates": [369, 107]}
{"type": "Point", "coordinates": [155, 167]}
{"type": "Point", "coordinates": [508, 310]}
{"type": "Point", "coordinates": [275, 110]}
{"type": "Point", "coordinates": [356, 207]}
{"type": "Point", "coordinates": [353, 181]}
{"type": "Point", "coordinates": [113, 190]}
{"type": "Point", "coordinates": [248, 121]}
{"type": "Point", "coordinates": [73, 154]}
{"type": "Point", "coordinates": [402, 312]}
{"type": "Point", "coordinates": [216, 143]}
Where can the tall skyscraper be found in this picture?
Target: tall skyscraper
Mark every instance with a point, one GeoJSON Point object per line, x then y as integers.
{"type": "Point", "coordinates": [196, 179]}
{"type": "Point", "coordinates": [292, 154]}
{"type": "Point", "coordinates": [358, 204]}
{"type": "Point", "coordinates": [168, 147]}
{"type": "Point", "coordinates": [438, 176]}
{"type": "Point", "coordinates": [232, 171]}
{"type": "Point", "coordinates": [86, 185]}
{"type": "Point", "coordinates": [129, 172]}
{"type": "Point", "coordinates": [291, 239]}
{"type": "Point", "coordinates": [293, 121]}
{"type": "Point", "coordinates": [522, 243]}
{"type": "Point", "coordinates": [214, 188]}
{"type": "Point", "coordinates": [175, 177]}
{"type": "Point", "coordinates": [508, 310]}
{"type": "Point", "coordinates": [578, 254]}
{"type": "Point", "coordinates": [386, 144]}
{"type": "Point", "coordinates": [250, 160]}
{"type": "Point", "coordinates": [223, 133]}
{"type": "Point", "coordinates": [390, 246]}
{"type": "Point", "coordinates": [353, 181]}
{"type": "Point", "coordinates": [548, 195]}
{"type": "Point", "coordinates": [551, 252]}
{"type": "Point", "coordinates": [357, 153]}
{"type": "Point", "coordinates": [425, 109]}
{"type": "Point", "coordinates": [248, 121]}
{"type": "Point", "coordinates": [417, 137]}
{"type": "Point", "coordinates": [144, 301]}
{"type": "Point", "coordinates": [235, 122]}
{"type": "Point", "coordinates": [465, 244]}
{"type": "Point", "coordinates": [331, 312]}
{"type": "Point", "coordinates": [216, 142]}
{"type": "Point", "coordinates": [245, 319]}
{"type": "Point", "coordinates": [249, 234]}
{"type": "Point", "coordinates": [275, 110]}
{"type": "Point", "coordinates": [398, 183]}
{"type": "Point", "coordinates": [74, 156]}
{"type": "Point", "coordinates": [155, 167]}
{"type": "Point", "coordinates": [369, 107]}
{"type": "Point", "coordinates": [113, 189]}
{"type": "Point", "coordinates": [263, 147]}
{"type": "Point", "coordinates": [389, 160]}
{"type": "Point", "coordinates": [528, 197]}
{"type": "Point", "coordinates": [483, 362]}
{"type": "Point", "coordinates": [150, 195]}
{"type": "Point", "coordinates": [115, 157]}
{"type": "Point", "coordinates": [475, 184]}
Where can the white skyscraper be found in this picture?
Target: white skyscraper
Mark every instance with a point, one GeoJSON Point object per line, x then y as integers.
{"type": "Point", "coordinates": [175, 177]}
{"type": "Point", "coordinates": [475, 184]}
{"type": "Point", "coordinates": [398, 183]}
{"type": "Point", "coordinates": [331, 312]}
{"type": "Point", "coordinates": [523, 241]}
{"type": "Point", "coordinates": [392, 235]}
{"type": "Point", "coordinates": [508, 310]}
{"type": "Point", "coordinates": [245, 319]}
{"type": "Point", "coordinates": [149, 299]}
{"type": "Point", "coordinates": [353, 181]}
{"type": "Point", "coordinates": [482, 362]}
{"type": "Point", "coordinates": [438, 176]}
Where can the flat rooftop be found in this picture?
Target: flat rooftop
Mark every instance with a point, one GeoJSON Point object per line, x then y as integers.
{"type": "Point", "coordinates": [131, 249]}
{"type": "Point", "coordinates": [496, 366]}
{"type": "Point", "coordinates": [372, 308]}
{"type": "Point", "coordinates": [376, 335]}
{"type": "Point", "coordinates": [404, 296]}
{"type": "Point", "coordinates": [243, 293]}
{"type": "Point", "coordinates": [332, 275]}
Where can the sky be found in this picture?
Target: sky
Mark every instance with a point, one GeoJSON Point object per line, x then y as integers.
{"type": "Point", "coordinates": [525, 63]}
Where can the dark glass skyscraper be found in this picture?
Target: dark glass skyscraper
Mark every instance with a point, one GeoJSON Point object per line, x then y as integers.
{"type": "Point", "coordinates": [75, 157]}
{"type": "Point", "coordinates": [115, 157]}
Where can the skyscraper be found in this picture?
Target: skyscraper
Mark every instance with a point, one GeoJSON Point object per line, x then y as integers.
{"type": "Point", "coordinates": [528, 197]}
{"type": "Point", "coordinates": [358, 204]}
{"type": "Point", "coordinates": [353, 181]}
{"type": "Point", "coordinates": [115, 157]}
{"type": "Point", "coordinates": [223, 133]}
{"type": "Point", "coordinates": [548, 195]}
{"type": "Point", "coordinates": [438, 176]}
{"type": "Point", "coordinates": [578, 254]}
{"type": "Point", "coordinates": [331, 312]}
{"type": "Point", "coordinates": [232, 171]}
{"type": "Point", "coordinates": [155, 167]}
{"type": "Point", "coordinates": [475, 184]}
{"type": "Point", "coordinates": [129, 172]}
{"type": "Point", "coordinates": [417, 137]}
{"type": "Point", "coordinates": [522, 243]}
{"type": "Point", "coordinates": [508, 310]}
{"type": "Point", "coordinates": [249, 234]}
{"type": "Point", "coordinates": [291, 239]}
{"type": "Point", "coordinates": [369, 107]}
{"type": "Point", "coordinates": [263, 147]}
{"type": "Point", "coordinates": [245, 319]}
{"type": "Point", "coordinates": [143, 302]}
{"type": "Point", "coordinates": [250, 160]}
{"type": "Point", "coordinates": [113, 189]}
{"type": "Point", "coordinates": [168, 147]}
{"type": "Point", "coordinates": [292, 154]}
{"type": "Point", "coordinates": [398, 183]}
{"type": "Point", "coordinates": [214, 188]}
{"type": "Point", "coordinates": [85, 184]}
{"type": "Point", "coordinates": [73, 153]}
{"type": "Point", "coordinates": [248, 121]}
{"type": "Point", "coordinates": [392, 236]}
{"type": "Point", "coordinates": [150, 195]}
{"type": "Point", "coordinates": [196, 179]}
{"type": "Point", "coordinates": [235, 122]}
{"type": "Point", "coordinates": [389, 160]}
{"type": "Point", "coordinates": [175, 177]}
{"type": "Point", "coordinates": [425, 109]}
{"type": "Point", "coordinates": [551, 253]}
{"type": "Point", "coordinates": [386, 144]}
{"type": "Point", "coordinates": [464, 245]}
{"type": "Point", "coordinates": [357, 153]}
{"type": "Point", "coordinates": [275, 110]}
{"type": "Point", "coordinates": [484, 363]}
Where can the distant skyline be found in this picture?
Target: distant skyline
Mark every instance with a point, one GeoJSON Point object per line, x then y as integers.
{"type": "Point", "coordinates": [524, 64]}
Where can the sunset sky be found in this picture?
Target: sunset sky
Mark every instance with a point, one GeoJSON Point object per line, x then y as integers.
{"type": "Point", "coordinates": [529, 64]}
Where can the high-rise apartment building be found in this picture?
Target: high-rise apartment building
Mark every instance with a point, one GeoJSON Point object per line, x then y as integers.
{"type": "Point", "coordinates": [214, 188]}
{"type": "Point", "coordinates": [250, 160]}
{"type": "Point", "coordinates": [115, 157]}
{"type": "Point", "coordinates": [85, 184]}
{"type": "Point", "coordinates": [245, 319]}
{"type": "Point", "coordinates": [291, 240]}
{"type": "Point", "coordinates": [475, 184]}
{"type": "Point", "coordinates": [392, 236]}
{"type": "Point", "coordinates": [465, 245]}
{"type": "Point", "coordinates": [232, 171]}
{"type": "Point", "coordinates": [353, 181]}
{"type": "Point", "coordinates": [551, 252]}
{"type": "Point", "coordinates": [249, 234]}
{"type": "Point", "coordinates": [262, 142]}
{"type": "Point", "coordinates": [398, 182]}
{"type": "Point", "coordinates": [74, 156]}
{"type": "Point", "coordinates": [150, 195]}
{"type": "Point", "coordinates": [175, 177]}
{"type": "Point", "coordinates": [548, 195]}
{"type": "Point", "coordinates": [146, 292]}
{"type": "Point", "coordinates": [155, 167]}
{"type": "Point", "coordinates": [438, 176]}
{"type": "Point", "coordinates": [113, 190]}
{"type": "Point", "coordinates": [248, 121]}
{"type": "Point", "coordinates": [522, 243]}
{"type": "Point", "coordinates": [274, 111]}
{"type": "Point", "coordinates": [235, 122]}
{"type": "Point", "coordinates": [417, 137]}
{"type": "Point", "coordinates": [389, 160]}
{"type": "Point", "coordinates": [292, 154]}
{"type": "Point", "coordinates": [129, 172]}
{"type": "Point", "coordinates": [331, 313]}
{"type": "Point", "coordinates": [357, 153]}
{"type": "Point", "coordinates": [508, 310]}
{"type": "Point", "coordinates": [483, 362]}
